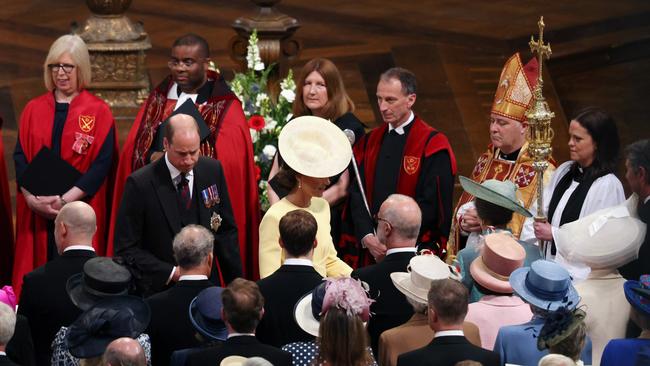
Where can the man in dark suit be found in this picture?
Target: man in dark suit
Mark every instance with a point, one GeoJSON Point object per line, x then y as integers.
{"type": "Point", "coordinates": [398, 226]}
{"type": "Point", "coordinates": [637, 174]}
{"type": "Point", "coordinates": [44, 299]}
{"type": "Point", "coordinates": [448, 301]}
{"type": "Point", "coordinates": [178, 189]}
{"type": "Point", "coordinates": [295, 278]}
{"type": "Point", "coordinates": [243, 307]}
{"type": "Point", "coordinates": [170, 328]}
{"type": "Point", "coordinates": [7, 325]}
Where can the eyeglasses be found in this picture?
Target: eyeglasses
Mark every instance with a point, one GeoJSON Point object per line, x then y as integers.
{"type": "Point", "coordinates": [67, 68]}
{"type": "Point", "coordinates": [187, 62]}
{"type": "Point", "coordinates": [377, 219]}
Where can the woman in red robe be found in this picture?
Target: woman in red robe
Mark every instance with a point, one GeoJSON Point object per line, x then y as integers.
{"type": "Point", "coordinates": [79, 128]}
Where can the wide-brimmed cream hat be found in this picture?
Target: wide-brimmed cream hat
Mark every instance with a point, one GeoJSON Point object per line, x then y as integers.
{"type": "Point", "coordinates": [421, 271]}
{"type": "Point", "coordinates": [314, 147]}
{"type": "Point", "coordinates": [608, 238]}
{"type": "Point", "coordinates": [500, 193]}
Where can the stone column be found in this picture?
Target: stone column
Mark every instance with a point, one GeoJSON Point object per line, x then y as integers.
{"type": "Point", "coordinates": [117, 48]}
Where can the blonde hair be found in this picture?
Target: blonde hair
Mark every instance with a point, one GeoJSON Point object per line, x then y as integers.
{"type": "Point", "coordinates": [75, 47]}
{"type": "Point", "coordinates": [338, 100]}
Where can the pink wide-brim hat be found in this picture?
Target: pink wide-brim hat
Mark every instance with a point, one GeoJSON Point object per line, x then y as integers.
{"type": "Point", "coordinates": [8, 297]}
{"type": "Point", "coordinates": [500, 256]}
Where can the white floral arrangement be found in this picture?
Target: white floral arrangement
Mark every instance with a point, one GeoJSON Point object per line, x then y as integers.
{"type": "Point", "coordinates": [266, 115]}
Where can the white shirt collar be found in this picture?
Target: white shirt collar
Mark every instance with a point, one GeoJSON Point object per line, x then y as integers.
{"type": "Point", "coordinates": [400, 129]}
{"type": "Point", "coordinates": [449, 333]}
{"type": "Point", "coordinates": [174, 173]}
{"type": "Point", "coordinates": [298, 262]}
{"type": "Point", "coordinates": [172, 94]}
{"type": "Point", "coordinates": [192, 277]}
{"type": "Point", "coordinates": [400, 250]}
{"type": "Point", "coordinates": [79, 247]}
{"type": "Point", "coordinates": [240, 334]}
{"type": "Point", "coordinates": [3, 353]}
{"type": "Point", "coordinates": [646, 199]}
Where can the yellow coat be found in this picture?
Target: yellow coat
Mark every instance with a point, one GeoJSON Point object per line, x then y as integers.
{"type": "Point", "coordinates": [271, 254]}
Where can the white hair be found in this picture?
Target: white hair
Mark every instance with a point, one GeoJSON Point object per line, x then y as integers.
{"type": "Point", "coordinates": [7, 323]}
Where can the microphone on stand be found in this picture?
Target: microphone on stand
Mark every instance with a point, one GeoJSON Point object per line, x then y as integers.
{"type": "Point", "coordinates": [350, 135]}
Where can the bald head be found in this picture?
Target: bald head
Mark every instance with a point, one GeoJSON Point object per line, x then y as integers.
{"type": "Point", "coordinates": [404, 216]}
{"type": "Point", "coordinates": [181, 124]}
{"type": "Point", "coordinates": [75, 224]}
{"type": "Point", "coordinates": [124, 352]}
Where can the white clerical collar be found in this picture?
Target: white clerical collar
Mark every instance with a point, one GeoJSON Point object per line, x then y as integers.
{"type": "Point", "coordinates": [400, 129]}
{"type": "Point", "coordinates": [180, 99]}
{"type": "Point", "coordinates": [298, 262]}
{"type": "Point", "coordinates": [449, 333]}
{"type": "Point", "coordinates": [240, 334]}
{"type": "Point", "coordinates": [400, 250]}
{"type": "Point", "coordinates": [192, 277]}
{"type": "Point", "coordinates": [79, 247]}
{"type": "Point", "coordinates": [174, 173]}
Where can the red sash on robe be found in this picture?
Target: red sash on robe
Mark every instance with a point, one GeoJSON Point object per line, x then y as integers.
{"type": "Point", "coordinates": [229, 142]}
{"type": "Point", "coordinates": [87, 115]}
{"type": "Point", "coordinates": [419, 145]}
{"type": "Point", "coordinates": [6, 221]}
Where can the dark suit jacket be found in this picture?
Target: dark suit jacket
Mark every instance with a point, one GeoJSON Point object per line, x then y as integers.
{"type": "Point", "coordinates": [149, 218]}
{"type": "Point", "coordinates": [20, 347]}
{"type": "Point", "coordinates": [446, 351]}
{"type": "Point", "coordinates": [246, 346]}
{"type": "Point", "coordinates": [281, 292]}
{"type": "Point", "coordinates": [391, 308]}
{"type": "Point", "coordinates": [170, 327]}
{"type": "Point", "coordinates": [5, 361]}
{"type": "Point", "coordinates": [641, 265]}
{"type": "Point", "coordinates": [45, 302]}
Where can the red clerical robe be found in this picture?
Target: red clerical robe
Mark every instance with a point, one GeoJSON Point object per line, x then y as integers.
{"type": "Point", "coordinates": [6, 220]}
{"type": "Point", "coordinates": [430, 184]}
{"type": "Point", "coordinates": [229, 142]}
{"type": "Point", "coordinates": [87, 115]}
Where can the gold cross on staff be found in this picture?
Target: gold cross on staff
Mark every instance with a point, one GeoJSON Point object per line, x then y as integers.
{"type": "Point", "coordinates": [542, 50]}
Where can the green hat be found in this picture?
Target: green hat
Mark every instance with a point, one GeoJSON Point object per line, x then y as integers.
{"type": "Point", "coordinates": [500, 193]}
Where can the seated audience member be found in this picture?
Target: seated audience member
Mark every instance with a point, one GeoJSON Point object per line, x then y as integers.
{"type": "Point", "coordinates": [500, 256]}
{"type": "Point", "coordinates": [205, 315]}
{"type": "Point", "coordinates": [546, 286]}
{"type": "Point", "coordinates": [495, 203]}
{"type": "Point", "coordinates": [7, 326]}
{"type": "Point", "coordinates": [590, 240]}
{"type": "Point", "coordinates": [102, 279]}
{"type": "Point", "coordinates": [20, 347]}
{"type": "Point", "coordinates": [416, 333]}
{"type": "Point", "coordinates": [624, 352]}
{"type": "Point", "coordinates": [335, 312]}
{"type": "Point", "coordinates": [85, 341]}
{"type": "Point", "coordinates": [637, 174]}
{"type": "Point", "coordinates": [74, 228]}
{"type": "Point", "coordinates": [564, 332]}
{"type": "Point", "coordinates": [398, 226]}
{"type": "Point", "coordinates": [243, 307]}
{"type": "Point", "coordinates": [290, 282]}
{"type": "Point", "coordinates": [448, 300]}
{"type": "Point", "coordinates": [553, 359]}
{"type": "Point", "coordinates": [170, 327]}
{"type": "Point", "coordinates": [124, 352]}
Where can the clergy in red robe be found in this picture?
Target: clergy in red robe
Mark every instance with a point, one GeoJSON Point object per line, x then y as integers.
{"type": "Point", "coordinates": [229, 140]}
{"type": "Point", "coordinates": [6, 220]}
{"type": "Point", "coordinates": [79, 128]}
{"type": "Point", "coordinates": [407, 156]}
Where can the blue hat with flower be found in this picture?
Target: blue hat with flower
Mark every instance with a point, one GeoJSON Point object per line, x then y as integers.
{"type": "Point", "coordinates": [638, 293]}
{"type": "Point", "coordinates": [545, 285]}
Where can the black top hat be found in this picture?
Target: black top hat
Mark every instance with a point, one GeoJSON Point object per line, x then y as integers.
{"type": "Point", "coordinates": [101, 278]}
{"type": "Point", "coordinates": [106, 321]}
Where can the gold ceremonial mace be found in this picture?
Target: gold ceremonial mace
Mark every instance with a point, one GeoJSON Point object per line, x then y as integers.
{"type": "Point", "coordinates": [540, 133]}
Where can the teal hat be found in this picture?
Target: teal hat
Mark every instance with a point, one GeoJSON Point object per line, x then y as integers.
{"type": "Point", "coordinates": [499, 193]}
